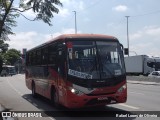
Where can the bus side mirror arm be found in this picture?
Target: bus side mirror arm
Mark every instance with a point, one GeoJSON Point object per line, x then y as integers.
{"type": "Point", "coordinates": [121, 46]}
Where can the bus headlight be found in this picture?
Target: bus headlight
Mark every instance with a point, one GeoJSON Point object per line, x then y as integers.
{"type": "Point", "coordinates": [122, 88]}
{"type": "Point", "coordinates": [75, 91]}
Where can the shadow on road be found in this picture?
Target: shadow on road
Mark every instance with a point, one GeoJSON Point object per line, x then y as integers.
{"type": "Point", "coordinates": [96, 113]}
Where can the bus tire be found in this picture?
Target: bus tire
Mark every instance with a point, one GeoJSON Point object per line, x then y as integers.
{"type": "Point", "coordinates": [34, 94]}
{"type": "Point", "coordinates": [54, 98]}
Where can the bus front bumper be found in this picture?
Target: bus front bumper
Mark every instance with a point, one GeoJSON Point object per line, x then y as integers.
{"type": "Point", "coordinates": [102, 100]}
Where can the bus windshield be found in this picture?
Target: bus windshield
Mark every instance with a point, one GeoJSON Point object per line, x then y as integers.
{"type": "Point", "coordinates": [95, 59]}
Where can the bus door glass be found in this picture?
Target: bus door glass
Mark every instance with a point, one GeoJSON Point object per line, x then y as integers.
{"type": "Point", "coordinates": [61, 60]}
{"type": "Point", "coordinates": [61, 72]}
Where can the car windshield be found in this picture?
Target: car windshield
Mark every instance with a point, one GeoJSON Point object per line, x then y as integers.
{"type": "Point", "coordinates": [95, 59]}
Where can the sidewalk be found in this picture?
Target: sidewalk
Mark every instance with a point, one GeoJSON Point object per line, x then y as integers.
{"type": "Point", "coordinates": [142, 82]}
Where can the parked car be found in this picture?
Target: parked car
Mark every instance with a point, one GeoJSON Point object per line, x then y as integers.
{"type": "Point", "coordinates": [154, 74]}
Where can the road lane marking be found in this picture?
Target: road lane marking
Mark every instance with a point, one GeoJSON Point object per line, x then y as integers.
{"type": "Point", "coordinates": [137, 93]}
{"type": "Point", "coordinates": [51, 118]}
{"type": "Point", "coordinates": [129, 106]}
{"type": "Point", "coordinates": [14, 88]}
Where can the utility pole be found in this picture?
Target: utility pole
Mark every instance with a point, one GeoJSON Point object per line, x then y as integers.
{"type": "Point", "coordinates": [127, 34]}
{"type": "Point", "coordinates": [75, 22]}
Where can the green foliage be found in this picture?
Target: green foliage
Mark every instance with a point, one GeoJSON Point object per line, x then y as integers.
{"type": "Point", "coordinates": [7, 19]}
{"type": "Point", "coordinates": [3, 46]}
{"type": "Point", "coordinates": [11, 56]}
{"type": "Point", "coordinates": [6, 29]}
{"type": "Point", "coordinates": [1, 63]}
{"type": "Point", "coordinates": [44, 9]}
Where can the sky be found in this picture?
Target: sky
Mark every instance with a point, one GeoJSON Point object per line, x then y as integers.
{"type": "Point", "coordinates": [96, 17]}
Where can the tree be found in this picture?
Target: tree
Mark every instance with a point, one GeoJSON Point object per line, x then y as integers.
{"type": "Point", "coordinates": [44, 10]}
{"type": "Point", "coordinates": [3, 49]}
{"type": "Point", "coordinates": [6, 20]}
{"type": "Point", "coordinates": [1, 63]}
{"type": "Point", "coordinates": [11, 56]}
{"type": "Point", "coordinates": [3, 46]}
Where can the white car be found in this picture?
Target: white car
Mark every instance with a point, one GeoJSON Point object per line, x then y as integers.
{"type": "Point", "coordinates": [154, 74]}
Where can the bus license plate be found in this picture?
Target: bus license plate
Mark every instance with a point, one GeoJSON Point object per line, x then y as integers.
{"type": "Point", "coordinates": [103, 98]}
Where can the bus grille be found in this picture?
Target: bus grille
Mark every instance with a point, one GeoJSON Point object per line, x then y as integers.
{"type": "Point", "coordinates": [101, 94]}
{"type": "Point", "coordinates": [96, 101]}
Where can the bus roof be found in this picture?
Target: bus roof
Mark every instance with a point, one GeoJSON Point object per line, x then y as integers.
{"type": "Point", "coordinates": [8, 66]}
{"type": "Point", "coordinates": [65, 36]}
{"type": "Point", "coordinates": [84, 36]}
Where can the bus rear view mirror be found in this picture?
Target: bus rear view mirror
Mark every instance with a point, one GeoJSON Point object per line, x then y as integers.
{"type": "Point", "coordinates": [126, 51]}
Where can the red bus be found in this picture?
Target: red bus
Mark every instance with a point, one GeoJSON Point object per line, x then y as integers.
{"type": "Point", "coordinates": [78, 70]}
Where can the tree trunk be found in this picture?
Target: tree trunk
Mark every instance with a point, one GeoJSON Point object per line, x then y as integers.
{"type": "Point", "coordinates": [7, 9]}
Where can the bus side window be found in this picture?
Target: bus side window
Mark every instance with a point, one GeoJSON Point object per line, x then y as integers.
{"type": "Point", "coordinates": [30, 58]}
{"type": "Point", "coordinates": [61, 59]}
{"type": "Point", "coordinates": [27, 59]}
{"type": "Point", "coordinates": [52, 54]}
{"type": "Point", "coordinates": [38, 57]}
{"type": "Point", "coordinates": [44, 55]}
{"type": "Point", "coordinates": [33, 58]}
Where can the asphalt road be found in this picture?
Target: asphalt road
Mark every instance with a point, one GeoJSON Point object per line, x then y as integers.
{"type": "Point", "coordinates": [15, 96]}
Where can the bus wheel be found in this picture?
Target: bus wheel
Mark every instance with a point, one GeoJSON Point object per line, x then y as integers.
{"type": "Point", "coordinates": [54, 99]}
{"type": "Point", "coordinates": [34, 94]}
